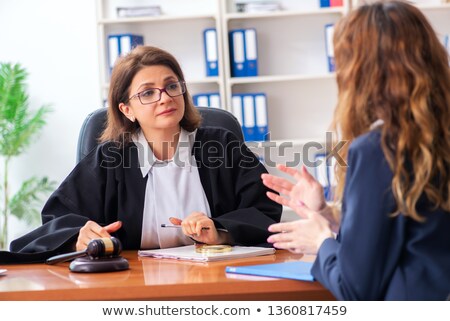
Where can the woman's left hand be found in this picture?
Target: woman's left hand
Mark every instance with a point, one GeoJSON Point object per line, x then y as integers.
{"type": "Point", "coordinates": [201, 228]}
{"type": "Point", "coordinates": [301, 236]}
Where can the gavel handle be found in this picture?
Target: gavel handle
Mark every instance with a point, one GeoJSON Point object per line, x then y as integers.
{"type": "Point", "coordinates": [65, 257]}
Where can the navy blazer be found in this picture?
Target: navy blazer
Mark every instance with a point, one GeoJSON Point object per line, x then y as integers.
{"type": "Point", "coordinates": [378, 257]}
{"type": "Point", "coordinates": [107, 185]}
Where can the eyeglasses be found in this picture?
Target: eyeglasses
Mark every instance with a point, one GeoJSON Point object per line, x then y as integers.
{"type": "Point", "coordinates": [152, 95]}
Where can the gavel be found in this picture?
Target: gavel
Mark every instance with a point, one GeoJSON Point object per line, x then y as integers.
{"type": "Point", "coordinates": [97, 248]}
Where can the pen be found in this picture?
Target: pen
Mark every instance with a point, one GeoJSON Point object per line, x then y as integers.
{"type": "Point", "coordinates": [179, 226]}
{"type": "Point", "coordinates": [203, 228]}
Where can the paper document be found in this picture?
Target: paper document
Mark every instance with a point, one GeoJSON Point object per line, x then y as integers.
{"type": "Point", "coordinates": [188, 253]}
{"type": "Point", "coordinates": [296, 270]}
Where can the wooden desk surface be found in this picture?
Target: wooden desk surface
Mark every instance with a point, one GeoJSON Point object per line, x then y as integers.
{"type": "Point", "coordinates": [156, 279]}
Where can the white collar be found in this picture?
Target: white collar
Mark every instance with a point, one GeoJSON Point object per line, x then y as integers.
{"type": "Point", "coordinates": [182, 157]}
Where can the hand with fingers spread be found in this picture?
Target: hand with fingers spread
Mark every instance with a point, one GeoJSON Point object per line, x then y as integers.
{"type": "Point", "coordinates": [301, 236]}
{"type": "Point", "coordinates": [91, 230]}
{"type": "Point", "coordinates": [201, 228]}
{"type": "Point", "coordinates": [306, 194]}
{"type": "Point", "coordinates": [306, 191]}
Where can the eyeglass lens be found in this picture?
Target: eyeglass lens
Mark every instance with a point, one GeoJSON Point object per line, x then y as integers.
{"type": "Point", "coordinates": [153, 95]}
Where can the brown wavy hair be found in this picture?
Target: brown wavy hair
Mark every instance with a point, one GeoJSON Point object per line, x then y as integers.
{"type": "Point", "coordinates": [120, 129]}
{"type": "Point", "coordinates": [390, 65]}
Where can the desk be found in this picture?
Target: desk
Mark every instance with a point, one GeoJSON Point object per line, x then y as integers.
{"type": "Point", "coordinates": [156, 279]}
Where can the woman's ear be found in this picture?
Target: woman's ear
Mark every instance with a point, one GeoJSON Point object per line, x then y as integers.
{"type": "Point", "coordinates": [126, 110]}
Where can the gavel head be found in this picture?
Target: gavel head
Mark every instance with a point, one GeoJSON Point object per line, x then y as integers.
{"type": "Point", "coordinates": [104, 247]}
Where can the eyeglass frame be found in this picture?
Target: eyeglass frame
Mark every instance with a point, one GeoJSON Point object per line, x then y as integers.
{"type": "Point", "coordinates": [161, 90]}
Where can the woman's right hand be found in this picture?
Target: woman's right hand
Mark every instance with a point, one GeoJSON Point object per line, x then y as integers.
{"type": "Point", "coordinates": [91, 230]}
{"type": "Point", "coordinates": [306, 192]}
{"type": "Point", "coordinates": [303, 197]}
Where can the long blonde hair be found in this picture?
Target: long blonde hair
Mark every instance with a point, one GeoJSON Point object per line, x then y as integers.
{"type": "Point", "coordinates": [390, 65]}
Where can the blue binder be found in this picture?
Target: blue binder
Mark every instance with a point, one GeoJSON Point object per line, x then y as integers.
{"type": "Point", "coordinates": [324, 3]}
{"type": "Point", "coordinates": [236, 105]}
{"type": "Point", "coordinates": [251, 53]}
{"type": "Point", "coordinates": [113, 50]}
{"type": "Point", "coordinates": [447, 43]}
{"type": "Point", "coordinates": [201, 100]}
{"type": "Point", "coordinates": [296, 270]}
{"type": "Point", "coordinates": [324, 174]}
{"type": "Point", "coordinates": [237, 53]}
{"type": "Point", "coordinates": [121, 44]}
{"type": "Point", "coordinates": [214, 100]}
{"type": "Point", "coordinates": [129, 41]}
{"type": "Point", "coordinates": [329, 31]}
{"type": "Point", "coordinates": [207, 100]}
{"type": "Point", "coordinates": [261, 126]}
{"type": "Point", "coordinates": [249, 117]}
{"type": "Point", "coordinates": [211, 52]}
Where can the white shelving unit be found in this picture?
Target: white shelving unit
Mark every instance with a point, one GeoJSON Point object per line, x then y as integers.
{"type": "Point", "coordinates": [178, 30]}
{"type": "Point", "coordinates": [293, 70]}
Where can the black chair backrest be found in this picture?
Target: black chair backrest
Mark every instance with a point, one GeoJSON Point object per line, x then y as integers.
{"type": "Point", "coordinates": [95, 122]}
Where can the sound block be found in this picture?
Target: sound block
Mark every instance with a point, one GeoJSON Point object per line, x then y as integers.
{"type": "Point", "coordinates": [108, 264]}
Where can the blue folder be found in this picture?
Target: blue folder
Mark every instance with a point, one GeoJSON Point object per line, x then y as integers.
{"type": "Point", "coordinates": [211, 52]}
{"type": "Point", "coordinates": [296, 270]}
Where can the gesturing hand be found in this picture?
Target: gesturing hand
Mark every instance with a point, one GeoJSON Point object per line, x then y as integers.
{"type": "Point", "coordinates": [306, 192]}
{"type": "Point", "coordinates": [301, 236]}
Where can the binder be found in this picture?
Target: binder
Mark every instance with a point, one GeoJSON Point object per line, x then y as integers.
{"type": "Point", "coordinates": [321, 173]}
{"type": "Point", "coordinates": [329, 31]}
{"type": "Point", "coordinates": [207, 100]}
{"type": "Point", "coordinates": [248, 112]}
{"type": "Point", "coordinates": [251, 53]}
{"type": "Point", "coordinates": [236, 105]}
{"type": "Point", "coordinates": [121, 44]}
{"type": "Point", "coordinates": [214, 100]}
{"type": "Point", "coordinates": [113, 50]}
{"type": "Point", "coordinates": [237, 53]}
{"type": "Point", "coordinates": [211, 52]}
{"type": "Point", "coordinates": [447, 43]}
{"type": "Point", "coordinates": [324, 174]}
{"type": "Point", "coordinates": [324, 3]}
{"type": "Point", "coordinates": [261, 128]}
{"type": "Point", "coordinates": [296, 270]}
{"type": "Point", "coordinates": [331, 178]}
{"type": "Point", "coordinates": [129, 41]}
{"type": "Point", "coordinates": [201, 100]}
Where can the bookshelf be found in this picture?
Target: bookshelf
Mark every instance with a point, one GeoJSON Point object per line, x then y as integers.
{"type": "Point", "coordinates": [178, 30]}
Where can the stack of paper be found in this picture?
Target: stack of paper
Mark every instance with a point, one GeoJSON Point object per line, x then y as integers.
{"type": "Point", "coordinates": [188, 253]}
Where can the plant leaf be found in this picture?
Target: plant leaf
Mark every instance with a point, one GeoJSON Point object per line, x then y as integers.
{"type": "Point", "coordinates": [26, 204]}
{"type": "Point", "coordinates": [17, 123]}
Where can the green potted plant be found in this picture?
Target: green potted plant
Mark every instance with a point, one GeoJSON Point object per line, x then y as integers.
{"type": "Point", "coordinates": [18, 126]}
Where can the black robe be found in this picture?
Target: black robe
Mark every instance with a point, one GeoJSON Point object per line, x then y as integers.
{"type": "Point", "coordinates": [107, 186]}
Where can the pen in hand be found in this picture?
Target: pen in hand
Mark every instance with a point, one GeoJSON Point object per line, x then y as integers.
{"type": "Point", "coordinates": [179, 226]}
{"type": "Point", "coordinates": [203, 228]}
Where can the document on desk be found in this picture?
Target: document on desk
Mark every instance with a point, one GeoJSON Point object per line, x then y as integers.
{"type": "Point", "coordinates": [189, 253]}
{"type": "Point", "coordinates": [296, 270]}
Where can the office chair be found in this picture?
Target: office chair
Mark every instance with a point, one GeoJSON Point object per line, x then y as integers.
{"type": "Point", "coordinates": [95, 122]}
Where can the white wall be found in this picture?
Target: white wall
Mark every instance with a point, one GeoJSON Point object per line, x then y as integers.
{"type": "Point", "coordinates": [56, 41]}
